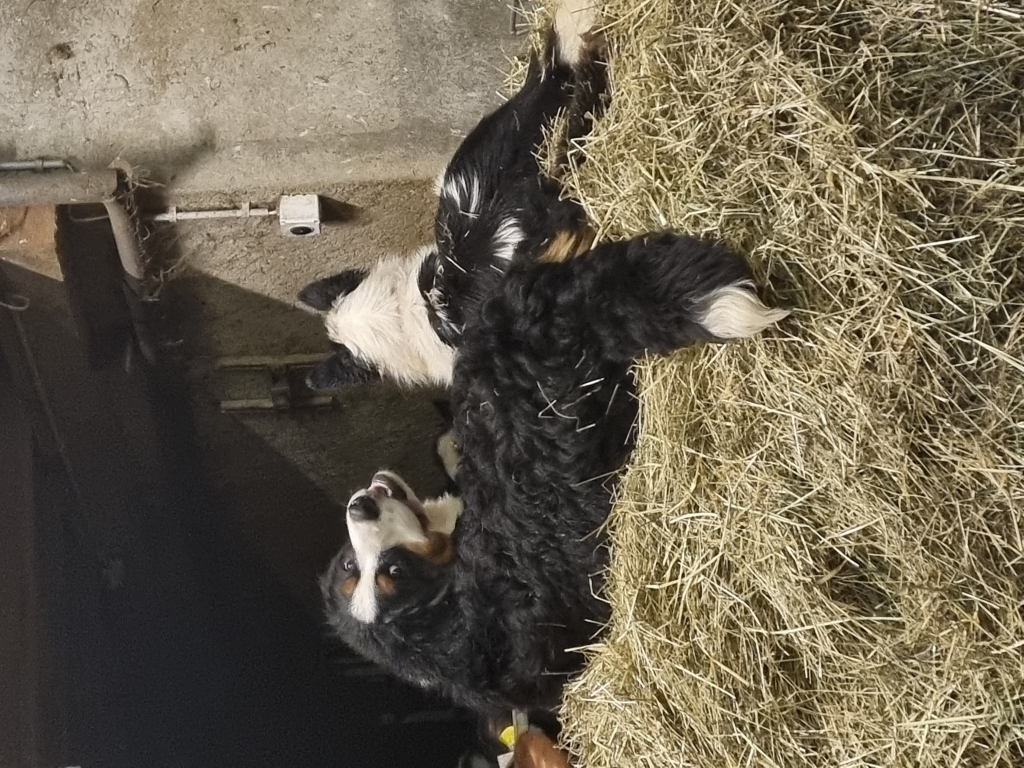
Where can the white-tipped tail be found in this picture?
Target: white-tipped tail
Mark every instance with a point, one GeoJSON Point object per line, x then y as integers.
{"type": "Point", "coordinates": [573, 19]}
{"type": "Point", "coordinates": [735, 312]}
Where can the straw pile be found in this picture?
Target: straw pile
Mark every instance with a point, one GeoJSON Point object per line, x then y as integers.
{"type": "Point", "coordinates": [818, 556]}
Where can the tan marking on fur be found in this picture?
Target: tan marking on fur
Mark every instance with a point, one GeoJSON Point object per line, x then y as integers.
{"type": "Point", "coordinates": [567, 244]}
{"type": "Point", "coordinates": [585, 239]}
{"type": "Point", "coordinates": [438, 548]}
{"type": "Point", "coordinates": [385, 584]}
{"type": "Point", "coordinates": [348, 586]}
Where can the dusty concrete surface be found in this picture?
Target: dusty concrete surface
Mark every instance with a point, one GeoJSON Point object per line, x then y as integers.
{"type": "Point", "coordinates": [235, 288]}
{"type": "Point", "coordinates": [244, 274]}
{"type": "Point", "coordinates": [360, 101]}
{"type": "Point", "coordinates": [229, 96]}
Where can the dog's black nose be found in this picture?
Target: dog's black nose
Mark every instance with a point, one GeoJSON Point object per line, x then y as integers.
{"type": "Point", "coordinates": [363, 508]}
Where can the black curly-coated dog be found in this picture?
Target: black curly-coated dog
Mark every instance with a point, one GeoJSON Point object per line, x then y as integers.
{"type": "Point", "coordinates": [403, 318]}
{"type": "Point", "coordinates": [488, 609]}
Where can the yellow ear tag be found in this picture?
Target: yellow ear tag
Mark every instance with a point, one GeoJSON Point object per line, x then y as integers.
{"type": "Point", "coordinates": [508, 736]}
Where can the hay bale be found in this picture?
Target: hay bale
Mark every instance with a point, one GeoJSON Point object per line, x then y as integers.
{"type": "Point", "coordinates": [818, 556]}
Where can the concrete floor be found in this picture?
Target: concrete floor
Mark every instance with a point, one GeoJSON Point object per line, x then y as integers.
{"type": "Point", "coordinates": [361, 102]}
{"type": "Point", "coordinates": [225, 97]}
{"type": "Point", "coordinates": [223, 260]}
{"type": "Point", "coordinates": [236, 291]}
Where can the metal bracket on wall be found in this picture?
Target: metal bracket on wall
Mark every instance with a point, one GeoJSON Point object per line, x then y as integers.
{"type": "Point", "coordinates": [262, 383]}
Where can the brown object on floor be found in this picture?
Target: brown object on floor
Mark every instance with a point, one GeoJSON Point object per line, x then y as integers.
{"type": "Point", "coordinates": [28, 239]}
{"type": "Point", "coordinates": [535, 750]}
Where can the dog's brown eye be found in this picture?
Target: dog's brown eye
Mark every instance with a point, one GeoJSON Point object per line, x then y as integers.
{"type": "Point", "coordinates": [349, 565]}
{"type": "Point", "coordinates": [395, 571]}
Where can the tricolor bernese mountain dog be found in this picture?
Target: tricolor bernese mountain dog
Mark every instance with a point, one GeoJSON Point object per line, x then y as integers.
{"type": "Point", "coordinates": [403, 319]}
{"type": "Point", "coordinates": [486, 597]}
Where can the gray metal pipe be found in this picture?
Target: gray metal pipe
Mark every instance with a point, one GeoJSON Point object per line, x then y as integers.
{"type": "Point", "coordinates": [56, 188]}
{"type": "Point", "coordinates": [67, 188]}
{"type": "Point", "coordinates": [34, 165]}
{"type": "Point", "coordinates": [246, 210]}
{"type": "Point", "coordinates": [127, 240]}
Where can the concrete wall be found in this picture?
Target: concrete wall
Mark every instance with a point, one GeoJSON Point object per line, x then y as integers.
{"type": "Point", "coordinates": [235, 96]}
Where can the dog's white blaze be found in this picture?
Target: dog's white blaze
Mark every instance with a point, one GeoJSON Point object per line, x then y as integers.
{"type": "Point", "coordinates": [474, 196]}
{"type": "Point", "coordinates": [735, 312]}
{"type": "Point", "coordinates": [384, 321]}
{"type": "Point", "coordinates": [507, 238]}
{"type": "Point", "coordinates": [573, 19]}
{"type": "Point", "coordinates": [396, 525]}
{"type": "Point", "coordinates": [363, 604]}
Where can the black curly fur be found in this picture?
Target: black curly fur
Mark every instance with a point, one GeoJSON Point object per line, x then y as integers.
{"type": "Point", "coordinates": [543, 409]}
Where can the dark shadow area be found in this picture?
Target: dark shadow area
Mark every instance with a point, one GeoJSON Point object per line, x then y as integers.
{"type": "Point", "coordinates": [172, 552]}
{"type": "Point", "coordinates": [285, 476]}
{"type": "Point", "coordinates": [94, 296]}
{"type": "Point", "coordinates": [337, 212]}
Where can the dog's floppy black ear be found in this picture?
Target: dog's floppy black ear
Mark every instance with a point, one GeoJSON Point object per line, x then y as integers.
{"type": "Point", "coordinates": [321, 294]}
{"type": "Point", "coordinates": [341, 368]}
